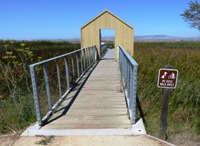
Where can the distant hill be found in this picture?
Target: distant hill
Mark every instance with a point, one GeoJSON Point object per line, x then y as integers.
{"type": "Point", "coordinates": [165, 38]}
{"type": "Point", "coordinates": [148, 38]}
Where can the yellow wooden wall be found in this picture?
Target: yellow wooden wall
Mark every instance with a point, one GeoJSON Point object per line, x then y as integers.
{"type": "Point", "coordinates": [106, 20]}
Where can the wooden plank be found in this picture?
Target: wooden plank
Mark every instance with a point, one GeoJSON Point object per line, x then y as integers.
{"type": "Point", "coordinates": [90, 117]}
{"type": "Point", "coordinates": [102, 96]}
{"type": "Point", "coordinates": [86, 126]}
{"type": "Point", "coordinates": [113, 92]}
{"type": "Point", "coordinates": [79, 121]}
{"type": "Point", "coordinates": [91, 103]}
{"type": "Point", "coordinates": [108, 111]}
{"type": "Point", "coordinates": [100, 104]}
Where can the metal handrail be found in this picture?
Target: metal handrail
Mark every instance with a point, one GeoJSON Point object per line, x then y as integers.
{"type": "Point", "coordinates": [84, 59]}
{"type": "Point", "coordinates": [103, 50]}
{"type": "Point", "coordinates": [128, 68]}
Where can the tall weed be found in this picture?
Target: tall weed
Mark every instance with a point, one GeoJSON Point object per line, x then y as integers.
{"type": "Point", "coordinates": [184, 101]}
{"type": "Point", "coordinates": [16, 102]}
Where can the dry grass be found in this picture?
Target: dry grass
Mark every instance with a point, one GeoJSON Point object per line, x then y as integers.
{"type": "Point", "coordinates": [16, 100]}
{"type": "Point", "coordinates": [184, 102]}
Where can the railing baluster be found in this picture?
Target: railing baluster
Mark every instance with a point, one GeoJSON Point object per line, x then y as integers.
{"type": "Point", "coordinates": [92, 58]}
{"type": "Point", "coordinates": [67, 73]}
{"type": "Point", "coordinates": [94, 53]}
{"type": "Point", "coordinates": [85, 53]}
{"type": "Point", "coordinates": [58, 75]}
{"type": "Point", "coordinates": [87, 56]}
{"type": "Point", "coordinates": [89, 59]}
{"type": "Point", "coordinates": [81, 62]}
{"type": "Point", "coordinates": [73, 73]}
{"type": "Point", "coordinates": [47, 86]}
{"type": "Point", "coordinates": [84, 57]}
{"type": "Point", "coordinates": [36, 95]}
{"type": "Point", "coordinates": [77, 66]}
{"type": "Point", "coordinates": [103, 50]}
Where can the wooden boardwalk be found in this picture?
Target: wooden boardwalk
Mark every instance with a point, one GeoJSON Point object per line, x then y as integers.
{"type": "Point", "coordinates": [95, 113]}
{"type": "Point", "coordinates": [99, 105]}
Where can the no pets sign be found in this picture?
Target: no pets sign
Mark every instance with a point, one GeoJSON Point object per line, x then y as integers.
{"type": "Point", "coordinates": [167, 78]}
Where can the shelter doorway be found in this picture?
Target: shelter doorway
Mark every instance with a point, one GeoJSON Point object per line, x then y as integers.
{"type": "Point", "coordinates": [107, 41]}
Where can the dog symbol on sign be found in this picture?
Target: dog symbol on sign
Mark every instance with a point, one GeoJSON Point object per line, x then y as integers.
{"type": "Point", "coordinates": [172, 76]}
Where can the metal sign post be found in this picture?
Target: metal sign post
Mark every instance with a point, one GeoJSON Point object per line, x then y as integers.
{"type": "Point", "coordinates": [167, 79]}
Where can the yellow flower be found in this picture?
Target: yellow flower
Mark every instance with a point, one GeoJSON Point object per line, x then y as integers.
{"type": "Point", "coordinates": [22, 44]}
{"type": "Point", "coordinates": [12, 42]}
{"type": "Point", "coordinates": [9, 53]}
{"type": "Point", "coordinates": [20, 49]}
{"type": "Point", "coordinates": [15, 62]}
{"type": "Point", "coordinates": [13, 57]}
{"type": "Point", "coordinates": [39, 58]}
{"type": "Point", "coordinates": [5, 57]}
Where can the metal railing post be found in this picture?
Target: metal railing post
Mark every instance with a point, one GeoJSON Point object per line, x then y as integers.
{"type": "Point", "coordinates": [77, 65]}
{"type": "Point", "coordinates": [88, 56]}
{"type": "Point", "coordinates": [67, 72]}
{"type": "Point", "coordinates": [95, 52]}
{"type": "Point", "coordinates": [47, 86]}
{"type": "Point", "coordinates": [84, 59]}
{"type": "Point", "coordinates": [81, 61]}
{"type": "Point", "coordinates": [72, 60]}
{"type": "Point", "coordinates": [134, 92]}
{"type": "Point", "coordinates": [58, 76]}
{"type": "Point", "coordinates": [35, 95]}
{"type": "Point", "coordinates": [128, 67]}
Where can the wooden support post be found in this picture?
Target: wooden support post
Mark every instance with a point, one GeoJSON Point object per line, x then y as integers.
{"type": "Point", "coordinates": [167, 79]}
{"type": "Point", "coordinates": [164, 112]}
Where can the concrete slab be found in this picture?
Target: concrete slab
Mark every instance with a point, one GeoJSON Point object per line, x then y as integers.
{"type": "Point", "coordinates": [34, 130]}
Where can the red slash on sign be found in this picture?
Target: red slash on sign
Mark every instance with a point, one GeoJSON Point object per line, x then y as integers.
{"type": "Point", "coordinates": [167, 78]}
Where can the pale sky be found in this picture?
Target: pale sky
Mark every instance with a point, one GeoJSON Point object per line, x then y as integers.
{"type": "Point", "coordinates": [62, 19]}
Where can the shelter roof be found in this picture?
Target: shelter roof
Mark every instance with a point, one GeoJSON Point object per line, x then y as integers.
{"type": "Point", "coordinates": [104, 12]}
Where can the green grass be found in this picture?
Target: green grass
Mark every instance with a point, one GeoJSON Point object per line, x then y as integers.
{"type": "Point", "coordinates": [17, 110]}
{"type": "Point", "coordinates": [16, 100]}
{"type": "Point", "coordinates": [184, 101]}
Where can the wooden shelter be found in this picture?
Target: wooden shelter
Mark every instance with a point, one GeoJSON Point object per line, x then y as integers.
{"type": "Point", "coordinates": [90, 33]}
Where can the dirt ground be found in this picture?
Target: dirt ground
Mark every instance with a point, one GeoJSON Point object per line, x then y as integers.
{"type": "Point", "coordinates": [16, 140]}
{"type": "Point", "coordinates": [185, 139]}
{"type": "Point", "coordinates": [8, 140]}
